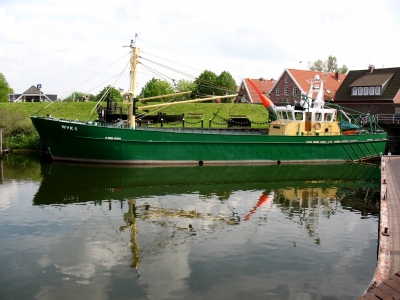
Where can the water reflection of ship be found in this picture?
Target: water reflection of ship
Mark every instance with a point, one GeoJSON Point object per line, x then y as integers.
{"type": "Point", "coordinates": [67, 183]}
{"type": "Point", "coordinates": [301, 192]}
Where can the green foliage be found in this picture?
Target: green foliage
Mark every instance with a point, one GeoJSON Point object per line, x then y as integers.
{"type": "Point", "coordinates": [209, 83]}
{"type": "Point", "coordinates": [317, 65]}
{"type": "Point", "coordinates": [226, 81]}
{"type": "Point", "coordinates": [330, 65]}
{"type": "Point", "coordinates": [186, 86]}
{"type": "Point", "coordinates": [156, 87]}
{"type": "Point", "coordinates": [79, 97]}
{"type": "Point", "coordinates": [115, 94]}
{"type": "Point", "coordinates": [5, 89]}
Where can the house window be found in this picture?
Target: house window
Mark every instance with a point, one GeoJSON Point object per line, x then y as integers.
{"type": "Point", "coordinates": [286, 92]}
{"type": "Point", "coordinates": [354, 91]}
{"type": "Point", "coordinates": [286, 79]}
{"type": "Point", "coordinates": [360, 91]}
{"type": "Point", "coordinates": [366, 90]}
{"type": "Point", "coordinates": [278, 91]}
{"type": "Point", "coordinates": [295, 91]}
{"type": "Point", "coordinates": [377, 90]}
{"type": "Point", "coordinates": [371, 90]}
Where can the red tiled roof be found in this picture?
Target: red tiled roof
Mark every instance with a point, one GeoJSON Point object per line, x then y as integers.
{"type": "Point", "coordinates": [332, 83]}
{"type": "Point", "coordinates": [264, 85]}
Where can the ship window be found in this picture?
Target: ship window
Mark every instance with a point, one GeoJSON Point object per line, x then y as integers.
{"type": "Point", "coordinates": [286, 91]}
{"type": "Point", "coordinates": [318, 116]}
{"type": "Point", "coordinates": [279, 115]}
{"type": "Point", "coordinates": [299, 116]}
{"type": "Point", "coordinates": [371, 90]}
{"type": "Point", "coordinates": [354, 91]}
{"type": "Point", "coordinates": [278, 91]}
{"type": "Point", "coordinates": [328, 117]}
{"type": "Point", "coordinates": [366, 90]}
{"type": "Point", "coordinates": [290, 115]}
{"type": "Point", "coordinates": [377, 90]}
{"type": "Point", "coordinates": [360, 91]}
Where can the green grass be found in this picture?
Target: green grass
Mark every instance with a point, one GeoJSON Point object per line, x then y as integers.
{"type": "Point", "coordinates": [19, 133]}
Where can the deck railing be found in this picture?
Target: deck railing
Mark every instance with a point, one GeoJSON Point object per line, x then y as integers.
{"type": "Point", "coordinates": [387, 118]}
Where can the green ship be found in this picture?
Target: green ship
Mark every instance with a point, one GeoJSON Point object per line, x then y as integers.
{"type": "Point", "coordinates": [311, 131]}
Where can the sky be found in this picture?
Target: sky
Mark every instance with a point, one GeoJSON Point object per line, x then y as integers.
{"type": "Point", "coordinates": [76, 45]}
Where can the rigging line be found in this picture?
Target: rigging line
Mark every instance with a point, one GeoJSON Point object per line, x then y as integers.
{"type": "Point", "coordinates": [188, 75]}
{"type": "Point", "coordinates": [169, 68]}
{"type": "Point", "coordinates": [104, 82]}
{"type": "Point", "coordinates": [171, 61]}
{"type": "Point", "coordinates": [108, 89]}
{"type": "Point", "coordinates": [99, 72]}
{"type": "Point", "coordinates": [165, 77]}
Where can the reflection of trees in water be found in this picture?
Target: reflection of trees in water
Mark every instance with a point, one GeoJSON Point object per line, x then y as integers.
{"type": "Point", "coordinates": [305, 206]}
{"type": "Point", "coordinates": [181, 227]}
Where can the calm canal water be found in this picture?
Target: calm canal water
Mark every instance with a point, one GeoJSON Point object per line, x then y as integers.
{"type": "Point", "coordinates": [247, 232]}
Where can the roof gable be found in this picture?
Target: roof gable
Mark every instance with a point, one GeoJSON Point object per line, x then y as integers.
{"type": "Point", "coordinates": [32, 91]}
{"type": "Point", "coordinates": [264, 85]}
{"type": "Point", "coordinates": [331, 84]}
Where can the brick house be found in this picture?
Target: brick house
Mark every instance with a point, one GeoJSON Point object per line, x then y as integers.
{"type": "Point", "coordinates": [293, 83]}
{"type": "Point", "coordinates": [33, 94]}
{"type": "Point", "coordinates": [373, 90]}
{"type": "Point", "coordinates": [247, 94]}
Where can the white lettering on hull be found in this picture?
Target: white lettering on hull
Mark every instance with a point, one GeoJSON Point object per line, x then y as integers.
{"type": "Point", "coordinates": [67, 127]}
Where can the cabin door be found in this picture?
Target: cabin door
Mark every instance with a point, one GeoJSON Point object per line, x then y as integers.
{"type": "Point", "coordinates": [308, 122]}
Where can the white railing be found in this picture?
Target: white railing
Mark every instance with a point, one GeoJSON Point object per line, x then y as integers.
{"type": "Point", "coordinates": [387, 118]}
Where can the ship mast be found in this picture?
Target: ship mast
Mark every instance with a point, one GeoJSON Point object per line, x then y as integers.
{"type": "Point", "coordinates": [132, 89]}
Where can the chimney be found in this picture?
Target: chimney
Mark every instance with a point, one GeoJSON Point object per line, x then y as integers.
{"type": "Point", "coordinates": [337, 76]}
{"type": "Point", "coordinates": [371, 68]}
{"type": "Point", "coordinates": [272, 79]}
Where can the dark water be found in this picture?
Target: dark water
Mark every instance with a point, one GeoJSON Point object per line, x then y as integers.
{"type": "Point", "coordinates": [250, 232]}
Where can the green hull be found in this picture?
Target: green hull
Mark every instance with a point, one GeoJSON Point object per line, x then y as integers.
{"type": "Point", "coordinates": [78, 141]}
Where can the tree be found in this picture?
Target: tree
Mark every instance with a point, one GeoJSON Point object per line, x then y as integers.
{"type": "Point", "coordinates": [5, 89]}
{"type": "Point", "coordinates": [226, 81]}
{"type": "Point", "coordinates": [156, 87]}
{"type": "Point", "coordinates": [115, 94]}
{"type": "Point", "coordinates": [185, 86]}
{"type": "Point", "coordinates": [207, 83]}
{"type": "Point", "coordinates": [79, 97]}
{"type": "Point", "coordinates": [330, 65]}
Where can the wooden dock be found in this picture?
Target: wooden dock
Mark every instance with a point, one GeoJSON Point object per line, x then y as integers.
{"type": "Point", "coordinates": [386, 281]}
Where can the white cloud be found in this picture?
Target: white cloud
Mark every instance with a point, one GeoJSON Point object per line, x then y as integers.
{"type": "Point", "coordinates": [60, 44]}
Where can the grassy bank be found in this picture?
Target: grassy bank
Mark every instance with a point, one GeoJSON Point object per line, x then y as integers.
{"type": "Point", "coordinates": [19, 133]}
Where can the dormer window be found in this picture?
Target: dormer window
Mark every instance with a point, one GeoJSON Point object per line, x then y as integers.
{"type": "Point", "coordinates": [366, 90]}
{"type": "Point", "coordinates": [371, 90]}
